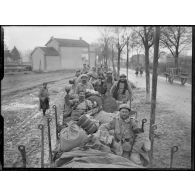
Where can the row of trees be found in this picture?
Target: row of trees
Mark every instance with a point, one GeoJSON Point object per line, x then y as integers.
{"type": "Point", "coordinates": [116, 41]}
{"type": "Point", "coordinates": [17, 55]}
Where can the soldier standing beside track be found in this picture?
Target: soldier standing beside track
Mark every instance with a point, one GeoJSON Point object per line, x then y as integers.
{"type": "Point", "coordinates": [44, 98]}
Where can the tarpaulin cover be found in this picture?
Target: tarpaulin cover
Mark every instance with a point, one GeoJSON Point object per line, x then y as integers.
{"type": "Point", "coordinates": [90, 158]}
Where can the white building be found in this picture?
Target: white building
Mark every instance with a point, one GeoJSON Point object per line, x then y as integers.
{"type": "Point", "coordinates": [60, 54]}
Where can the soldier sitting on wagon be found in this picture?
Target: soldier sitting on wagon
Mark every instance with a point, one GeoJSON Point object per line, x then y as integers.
{"type": "Point", "coordinates": [93, 76]}
{"type": "Point", "coordinates": [85, 69]}
{"type": "Point", "coordinates": [109, 81]}
{"type": "Point", "coordinates": [121, 90]}
{"type": "Point", "coordinates": [120, 135]}
{"type": "Point", "coordinates": [78, 106]}
{"type": "Point", "coordinates": [100, 73]}
{"type": "Point", "coordinates": [84, 85]}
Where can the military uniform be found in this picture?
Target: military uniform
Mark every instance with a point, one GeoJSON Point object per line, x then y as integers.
{"type": "Point", "coordinates": [123, 130]}
{"type": "Point", "coordinates": [120, 96]}
{"type": "Point", "coordinates": [44, 99]}
{"type": "Point", "coordinates": [125, 142]}
{"type": "Point", "coordinates": [83, 87]}
{"type": "Point", "coordinates": [76, 108]}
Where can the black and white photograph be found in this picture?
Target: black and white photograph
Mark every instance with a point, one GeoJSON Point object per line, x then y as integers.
{"type": "Point", "coordinates": [97, 97]}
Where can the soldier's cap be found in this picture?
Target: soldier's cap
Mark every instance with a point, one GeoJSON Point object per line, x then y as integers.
{"type": "Point", "coordinates": [84, 75]}
{"type": "Point", "coordinates": [126, 106]}
{"type": "Point", "coordinates": [44, 83]}
{"type": "Point", "coordinates": [122, 75]}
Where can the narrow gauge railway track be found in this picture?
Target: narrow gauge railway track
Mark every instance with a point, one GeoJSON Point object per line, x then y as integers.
{"type": "Point", "coordinates": [27, 120]}
{"type": "Point", "coordinates": [42, 120]}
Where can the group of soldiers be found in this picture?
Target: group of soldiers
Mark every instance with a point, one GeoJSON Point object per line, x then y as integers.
{"type": "Point", "coordinates": [139, 70]}
{"type": "Point", "coordinates": [99, 83]}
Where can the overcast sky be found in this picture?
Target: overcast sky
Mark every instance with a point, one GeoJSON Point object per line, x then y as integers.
{"type": "Point", "coordinates": [25, 38]}
{"type": "Point", "coordinates": [29, 37]}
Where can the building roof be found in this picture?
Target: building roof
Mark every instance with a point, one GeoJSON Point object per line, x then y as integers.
{"type": "Point", "coordinates": [70, 42]}
{"type": "Point", "coordinates": [48, 51]}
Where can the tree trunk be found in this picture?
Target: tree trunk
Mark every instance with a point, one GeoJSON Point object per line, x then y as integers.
{"type": "Point", "coordinates": [118, 64]}
{"type": "Point", "coordinates": [113, 65]}
{"type": "Point", "coordinates": [176, 62]}
{"type": "Point", "coordinates": [154, 88]}
{"type": "Point", "coordinates": [147, 74]}
{"type": "Point", "coordinates": [127, 60]}
{"type": "Point", "coordinates": [137, 58]}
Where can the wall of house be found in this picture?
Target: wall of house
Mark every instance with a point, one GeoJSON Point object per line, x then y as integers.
{"type": "Point", "coordinates": [38, 60]}
{"type": "Point", "coordinates": [92, 59]}
{"type": "Point", "coordinates": [54, 44]}
{"type": "Point", "coordinates": [53, 63]}
{"type": "Point", "coordinates": [73, 57]}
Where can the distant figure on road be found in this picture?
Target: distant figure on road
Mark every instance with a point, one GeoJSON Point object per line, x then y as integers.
{"type": "Point", "coordinates": [137, 71]}
{"type": "Point", "coordinates": [141, 70]}
{"type": "Point", "coordinates": [44, 98]}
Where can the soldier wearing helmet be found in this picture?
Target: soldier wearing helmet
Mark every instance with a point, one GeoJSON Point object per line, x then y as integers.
{"type": "Point", "coordinates": [122, 128]}
{"type": "Point", "coordinates": [121, 90]}
{"type": "Point", "coordinates": [84, 85]}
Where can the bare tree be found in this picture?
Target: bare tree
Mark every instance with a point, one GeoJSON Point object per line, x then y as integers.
{"type": "Point", "coordinates": [120, 39]}
{"type": "Point", "coordinates": [131, 43]}
{"type": "Point", "coordinates": [176, 39]}
{"type": "Point", "coordinates": [146, 36]}
{"type": "Point", "coordinates": [127, 63]}
{"type": "Point", "coordinates": [104, 41]}
{"type": "Point", "coordinates": [113, 56]}
{"type": "Point", "coordinates": [154, 87]}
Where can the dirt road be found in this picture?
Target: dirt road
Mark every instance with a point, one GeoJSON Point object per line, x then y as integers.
{"type": "Point", "coordinates": [22, 116]}
{"type": "Point", "coordinates": [173, 118]}
{"type": "Point", "coordinates": [177, 96]}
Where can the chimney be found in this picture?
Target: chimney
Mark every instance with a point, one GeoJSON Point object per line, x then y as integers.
{"type": "Point", "coordinates": [80, 38]}
{"type": "Point", "coordinates": [52, 37]}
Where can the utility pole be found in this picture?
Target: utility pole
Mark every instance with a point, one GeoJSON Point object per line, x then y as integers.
{"type": "Point", "coordinates": [154, 89]}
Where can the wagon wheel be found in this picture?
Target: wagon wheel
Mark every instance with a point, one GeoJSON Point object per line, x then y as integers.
{"type": "Point", "coordinates": [183, 81]}
{"type": "Point", "coordinates": [170, 79]}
